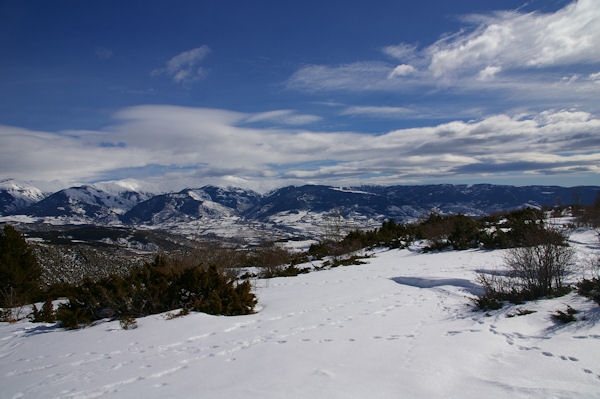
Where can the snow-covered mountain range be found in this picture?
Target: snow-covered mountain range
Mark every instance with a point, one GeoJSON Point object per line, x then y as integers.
{"type": "Point", "coordinates": [15, 196]}
{"type": "Point", "coordinates": [294, 209]}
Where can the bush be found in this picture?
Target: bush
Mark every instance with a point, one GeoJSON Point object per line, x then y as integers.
{"type": "Point", "coordinates": [128, 322]}
{"type": "Point", "coordinates": [540, 270]}
{"type": "Point", "coordinates": [565, 317]}
{"type": "Point", "coordinates": [155, 288]}
{"type": "Point", "coordinates": [458, 231]}
{"type": "Point", "coordinates": [281, 271]}
{"type": "Point", "coordinates": [487, 302]}
{"type": "Point", "coordinates": [534, 272]}
{"type": "Point", "coordinates": [19, 269]}
{"type": "Point", "coordinates": [590, 289]}
{"type": "Point", "coordinates": [45, 315]}
{"type": "Point", "coordinates": [518, 228]}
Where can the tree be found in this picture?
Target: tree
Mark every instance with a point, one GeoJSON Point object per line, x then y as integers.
{"type": "Point", "coordinates": [19, 269]}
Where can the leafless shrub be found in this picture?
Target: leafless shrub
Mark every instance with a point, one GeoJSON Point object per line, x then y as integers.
{"type": "Point", "coordinates": [540, 270]}
{"type": "Point", "coordinates": [533, 272]}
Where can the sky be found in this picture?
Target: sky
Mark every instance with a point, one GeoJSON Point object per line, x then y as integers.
{"type": "Point", "coordinates": [166, 95]}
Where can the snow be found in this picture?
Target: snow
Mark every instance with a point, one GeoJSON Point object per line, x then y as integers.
{"type": "Point", "coordinates": [347, 190]}
{"type": "Point", "coordinates": [399, 326]}
{"type": "Point", "coordinates": [198, 195]}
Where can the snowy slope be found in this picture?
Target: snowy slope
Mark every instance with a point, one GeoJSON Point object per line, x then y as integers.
{"type": "Point", "coordinates": [85, 204]}
{"type": "Point", "coordinates": [16, 195]}
{"type": "Point", "coordinates": [397, 327]}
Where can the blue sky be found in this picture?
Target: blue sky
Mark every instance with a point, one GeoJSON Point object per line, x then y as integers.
{"type": "Point", "coordinates": [261, 94]}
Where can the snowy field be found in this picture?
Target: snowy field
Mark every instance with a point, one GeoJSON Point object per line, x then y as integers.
{"type": "Point", "coordinates": [400, 326]}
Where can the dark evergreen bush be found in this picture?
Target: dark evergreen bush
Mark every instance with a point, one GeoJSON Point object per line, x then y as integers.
{"type": "Point", "coordinates": [282, 271]}
{"type": "Point", "coordinates": [458, 232]}
{"type": "Point", "coordinates": [19, 269]}
{"type": "Point", "coordinates": [45, 315]}
{"type": "Point", "coordinates": [565, 317]}
{"type": "Point", "coordinates": [156, 288]}
{"type": "Point", "coordinates": [590, 289]}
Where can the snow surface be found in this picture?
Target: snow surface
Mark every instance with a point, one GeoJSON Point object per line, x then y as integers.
{"type": "Point", "coordinates": [400, 326]}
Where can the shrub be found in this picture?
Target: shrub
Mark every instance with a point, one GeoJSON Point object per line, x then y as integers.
{"type": "Point", "coordinates": [565, 317]}
{"type": "Point", "coordinates": [487, 302]}
{"type": "Point", "coordinates": [352, 260]}
{"type": "Point", "coordinates": [45, 315]}
{"type": "Point", "coordinates": [590, 289]}
{"type": "Point", "coordinates": [19, 269]}
{"type": "Point", "coordinates": [534, 272]}
{"type": "Point", "coordinates": [180, 313]}
{"type": "Point", "coordinates": [73, 314]}
{"type": "Point", "coordinates": [518, 228]}
{"type": "Point", "coordinates": [128, 322]}
{"type": "Point", "coordinates": [155, 288]}
{"type": "Point", "coordinates": [540, 270]}
{"type": "Point", "coordinates": [590, 215]}
{"type": "Point", "coordinates": [281, 271]}
{"type": "Point", "coordinates": [458, 231]}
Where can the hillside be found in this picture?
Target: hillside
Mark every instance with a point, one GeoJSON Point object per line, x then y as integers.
{"type": "Point", "coordinates": [399, 326]}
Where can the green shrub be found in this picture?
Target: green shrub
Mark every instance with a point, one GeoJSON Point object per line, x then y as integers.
{"type": "Point", "coordinates": [459, 232]}
{"type": "Point", "coordinates": [128, 322]}
{"type": "Point", "coordinates": [45, 315]}
{"type": "Point", "coordinates": [180, 313]}
{"type": "Point", "coordinates": [353, 260]}
{"type": "Point", "coordinates": [281, 271]}
{"type": "Point", "coordinates": [487, 302]}
{"type": "Point", "coordinates": [155, 288]}
{"type": "Point", "coordinates": [565, 317]}
{"type": "Point", "coordinates": [590, 289]}
{"type": "Point", "coordinates": [73, 315]}
{"type": "Point", "coordinates": [19, 269]}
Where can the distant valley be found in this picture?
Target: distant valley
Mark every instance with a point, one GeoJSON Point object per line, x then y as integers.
{"type": "Point", "coordinates": [289, 212]}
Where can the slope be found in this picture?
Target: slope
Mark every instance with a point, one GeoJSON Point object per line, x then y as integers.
{"type": "Point", "coordinates": [399, 326]}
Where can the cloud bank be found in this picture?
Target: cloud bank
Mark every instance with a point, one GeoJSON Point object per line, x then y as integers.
{"type": "Point", "coordinates": [195, 146]}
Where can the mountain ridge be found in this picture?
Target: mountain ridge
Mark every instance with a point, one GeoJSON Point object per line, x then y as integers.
{"type": "Point", "coordinates": [293, 209]}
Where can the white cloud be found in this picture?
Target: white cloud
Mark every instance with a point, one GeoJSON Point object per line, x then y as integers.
{"type": "Point", "coordinates": [513, 40]}
{"type": "Point", "coordinates": [197, 145]}
{"type": "Point", "coordinates": [488, 72]}
{"type": "Point", "coordinates": [402, 70]}
{"type": "Point", "coordinates": [185, 67]}
{"type": "Point", "coordinates": [403, 52]}
{"type": "Point", "coordinates": [376, 111]}
{"type": "Point", "coordinates": [284, 116]}
{"type": "Point", "coordinates": [355, 76]}
{"type": "Point", "coordinates": [521, 57]}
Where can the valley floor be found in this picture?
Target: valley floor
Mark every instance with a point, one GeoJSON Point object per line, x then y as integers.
{"type": "Point", "coordinates": [401, 326]}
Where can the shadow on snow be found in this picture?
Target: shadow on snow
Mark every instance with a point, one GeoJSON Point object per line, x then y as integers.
{"type": "Point", "coordinates": [419, 282]}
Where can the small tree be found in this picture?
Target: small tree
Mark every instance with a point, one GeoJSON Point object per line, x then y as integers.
{"type": "Point", "coordinates": [19, 269]}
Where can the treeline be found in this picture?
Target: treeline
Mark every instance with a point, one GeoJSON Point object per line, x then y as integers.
{"type": "Point", "coordinates": [523, 227]}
